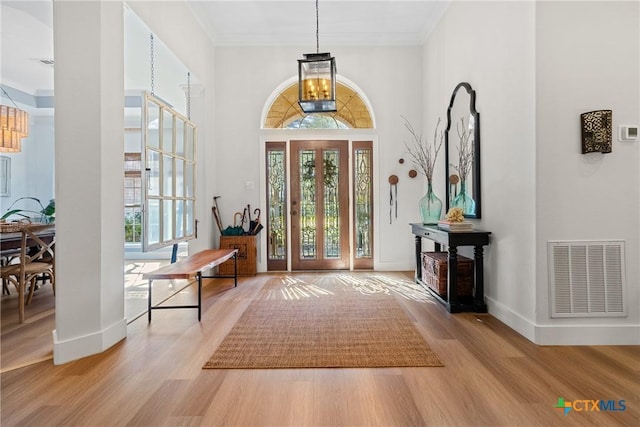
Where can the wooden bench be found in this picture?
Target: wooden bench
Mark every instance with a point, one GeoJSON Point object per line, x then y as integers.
{"type": "Point", "coordinates": [190, 267]}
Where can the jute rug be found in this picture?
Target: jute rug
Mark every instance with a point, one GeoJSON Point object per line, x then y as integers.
{"type": "Point", "coordinates": [325, 321]}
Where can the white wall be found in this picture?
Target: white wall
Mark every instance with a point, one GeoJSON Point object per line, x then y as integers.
{"type": "Point", "coordinates": [389, 76]}
{"type": "Point", "coordinates": [173, 23]}
{"type": "Point", "coordinates": [491, 46]}
{"type": "Point", "coordinates": [169, 73]}
{"type": "Point", "coordinates": [588, 57]}
{"type": "Point", "coordinates": [535, 67]}
{"type": "Point", "coordinates": [89, 115]}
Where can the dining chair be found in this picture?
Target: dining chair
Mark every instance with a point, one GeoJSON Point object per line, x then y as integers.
{"type": "Point", "coordinates": [36, 259]}
{"type": "Point", "coordinates": [6, 258]}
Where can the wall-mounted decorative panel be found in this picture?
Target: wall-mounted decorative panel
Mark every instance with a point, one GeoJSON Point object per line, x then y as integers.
{"type": "Point", "coordinates": [596, 131]}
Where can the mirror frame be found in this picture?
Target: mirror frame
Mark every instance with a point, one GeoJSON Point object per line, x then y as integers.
{"type": "Point", "coordinates": [475, 172]}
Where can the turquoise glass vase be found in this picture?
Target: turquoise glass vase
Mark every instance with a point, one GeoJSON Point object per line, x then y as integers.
{"type": "Point", "coordinates": [430, 207]}
{"type": "Point", "coordinates": [464, 201]}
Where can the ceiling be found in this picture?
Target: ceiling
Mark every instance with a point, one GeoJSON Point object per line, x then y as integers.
{"type": "Point", "coordinates": [341, 22]}
{"type": "Point", "coordinates": [26, 30]}
{"type": "Point", "coordinates": [26, 37]}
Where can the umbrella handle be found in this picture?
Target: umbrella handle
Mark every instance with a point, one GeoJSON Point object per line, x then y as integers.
{"type": "Point", "coordinates": [235, 215]}
{"type": "Point", "coordinates": [216, 215]}
{"type": "Point", "coordinates": [244, 217]}
{"type": "Point", "coordinates": [258, 213]}
{"type": "Point", "coordinates": [257, 228]}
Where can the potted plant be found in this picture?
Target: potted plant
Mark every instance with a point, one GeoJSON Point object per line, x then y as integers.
{"type": "Point", "coordinates": [46, 214]}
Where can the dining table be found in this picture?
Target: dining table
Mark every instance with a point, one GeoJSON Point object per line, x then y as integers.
{"type": "Point", "coordinates": [17, 241]}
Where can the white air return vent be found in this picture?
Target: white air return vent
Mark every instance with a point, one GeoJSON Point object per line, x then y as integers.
{"type": "Point", "coordinates": [587, 278]}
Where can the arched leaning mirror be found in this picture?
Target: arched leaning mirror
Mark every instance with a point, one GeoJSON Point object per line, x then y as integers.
{"type": "Point", "coordinates": [462, 152]}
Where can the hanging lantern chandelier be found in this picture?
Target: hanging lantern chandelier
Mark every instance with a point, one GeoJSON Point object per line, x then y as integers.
{"type": "Point", "coordinates": [317, 79]}
{"type": "Point", "coordinates": [14, 125]}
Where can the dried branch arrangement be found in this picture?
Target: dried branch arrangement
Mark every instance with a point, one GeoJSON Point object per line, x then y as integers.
{"type": "Point", "coordinates": [465, 151]}
{"type": "Point", "coordinates": [424, 154]}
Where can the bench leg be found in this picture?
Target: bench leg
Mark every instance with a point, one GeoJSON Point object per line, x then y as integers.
{"type": "Point", "coordinates": [199, 296]}
{"type": "Point", "coordinates": [149, 302]}
{"type": "Point", "coordinates": [235, 269]}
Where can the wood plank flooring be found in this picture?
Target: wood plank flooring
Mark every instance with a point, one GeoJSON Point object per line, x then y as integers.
{"type": "Point", "coordinates": [492, 377]}
{"type": "Point", "coordinates": [23, 344]}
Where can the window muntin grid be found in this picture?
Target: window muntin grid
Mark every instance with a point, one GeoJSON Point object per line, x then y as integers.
{"type": "Point", "coordinates": [169, 186]}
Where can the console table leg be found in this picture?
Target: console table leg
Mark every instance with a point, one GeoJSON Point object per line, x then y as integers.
{"type": "Point", "coordinates": [418, 246]}
{"type": "Point", "coordinates": [479, 280]}
{"type": "Point", "coordinates": [452, 282]}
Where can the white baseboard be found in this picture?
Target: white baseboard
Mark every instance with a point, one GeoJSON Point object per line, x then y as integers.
{"type": "Point", "coordinates": [588, 335]}
{"type": "Point", "coordinates": [78, 347]}
{"type": "Point", "coordinates": [380, 266]}
{"type": "Point", "coordinates": [393, 266]}
{"type": "Point", "coordinates": [133, 251]}
{"type": "Point", "coordinates": [512, 319]}
{"type": "Point", "coordinates": [614, 334]}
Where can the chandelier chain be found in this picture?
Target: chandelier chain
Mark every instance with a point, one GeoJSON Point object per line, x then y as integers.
{"type": "Point", "coordinates": [189, 95]}
{"type": "Point", "coordinates": [317, 28]}
{"type": "Point", "coordinates": [10, 99]}
{"type": "Point", "coordinates": [152, 65]}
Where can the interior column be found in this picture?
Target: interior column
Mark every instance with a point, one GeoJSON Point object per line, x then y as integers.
{"type": "Point", "coordinates": [89, 135]}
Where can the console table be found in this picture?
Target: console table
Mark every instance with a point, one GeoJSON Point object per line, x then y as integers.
{"type": "Point", "coordinates": [453, 239]}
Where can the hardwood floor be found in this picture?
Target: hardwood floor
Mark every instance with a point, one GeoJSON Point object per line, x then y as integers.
{"type": "Point", "coordinates": [23, 344]}
{"type": "Point", "coordinates": [492, 377]}
{"type": "Point", "coordinates": [26, 343]}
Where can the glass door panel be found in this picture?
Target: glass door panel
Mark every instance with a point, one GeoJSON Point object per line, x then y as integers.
{"type": "Point", "coordinates": [319, 205]}
{"type": "Point", "coordinates": [179, 137]}
{"type": "Point", "coordinates": [189, 218]}
{"type": "Point", "coordinates": [276, 207]}
{"type": "Point", "coordinates": [153, 229]}
{"type": "Point", "coordinates": [179, 219]}
{"type": "Point", "coordinates": [363, 204]}
{"type": "Point", "coordinates": [153, 177]}
{"type": "Point", "coordinates": [307, 197]}
{"type": "Point", "coordinates": [153, 122]}
{"type": "Point", "coordinates": [167, 130]}
{"type": "Point", "coordinates": [331, 226]}
{"type": "Point", "coordinates": [189, 147]}
{"type": "Point", "coordinates": [167, 173]}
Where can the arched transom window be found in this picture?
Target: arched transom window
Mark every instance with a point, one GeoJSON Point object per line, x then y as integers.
{"type": "Point", "coordinates": [352, 112]}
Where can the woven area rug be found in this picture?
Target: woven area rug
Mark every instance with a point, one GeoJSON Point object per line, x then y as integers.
{"type": "Point", "coordinates": [326, 321]}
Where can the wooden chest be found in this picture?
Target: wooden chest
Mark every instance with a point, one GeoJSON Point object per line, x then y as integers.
{"type": "Point", "coordinates": [247, 263]}
{"type": "Point", "coordinates": [435, 273]}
